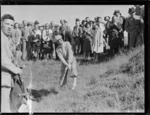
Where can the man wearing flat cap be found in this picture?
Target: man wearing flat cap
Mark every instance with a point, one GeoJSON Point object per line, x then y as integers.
{"type": "Point", "coordinates": [65, 54]}
{"type": "Point", "coordinates": [77, 36]}
{"type": "Point", "coordinates": [132, 28]}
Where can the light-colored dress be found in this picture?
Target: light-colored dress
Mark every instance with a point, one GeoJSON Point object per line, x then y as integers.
{"type": "Point", "coordinates": [98, 46]}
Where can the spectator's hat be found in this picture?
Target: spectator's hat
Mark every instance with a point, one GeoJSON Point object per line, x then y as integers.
{"type": "Point", "coordinates": [98, 17]}
{"type": "Point", "coordinates": [116, 11]}
{"type": "Point", "coordinates": [65, 21]}
{"type": "Point", "coordinates": [77, 19]}
{"type": "Point", "coordinates": [36, 22]}
{"type": "Point", "coordinates": [56, 38]}
{"type": "Point", "coordinates": [46, 25]}
{"type": "Point", "coordinates": [83, 21]}
{"type": "Point", "coordinates": [20, 25]}
{"type": "Point", "coordinates": [29, 24]}
{"type": "Point", "coordinates": [106, 18]}
{"type": "Point", "coordinates": [131, 10]}
{"type": "Point", "coordinates": [91, 22]}
{"type": "Point", "coordinates": [61, 20]}
{"type": "Point", "coordinates": [95, 18]}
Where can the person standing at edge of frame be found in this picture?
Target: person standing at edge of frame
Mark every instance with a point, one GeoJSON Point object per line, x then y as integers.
{"type": "Point", "coordinates": [7, 66]}
{"type": "Point", "coordinates": [132, 28]}
{"type": "Point", "coordinates": [65, 54]}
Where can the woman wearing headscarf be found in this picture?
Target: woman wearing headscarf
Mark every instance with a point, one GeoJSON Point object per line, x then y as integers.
{"type": "Point", "coordinates": [47, 42]}
{"type": "Point", "coordinates": [88, 41]}
{"type": "Point", "coordinates": [91, 24]}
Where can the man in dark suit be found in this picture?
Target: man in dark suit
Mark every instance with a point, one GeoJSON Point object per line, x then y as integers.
{"type": "Point", "coordinates": [133, 29]}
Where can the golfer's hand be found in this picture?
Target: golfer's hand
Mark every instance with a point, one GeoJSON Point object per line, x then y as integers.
{"type": "Point", "coordinates": [142, 21]}
{"type": "Point", "coordinates": [20, 71]}
{"type": "Point", "coordinates": [69, 66]}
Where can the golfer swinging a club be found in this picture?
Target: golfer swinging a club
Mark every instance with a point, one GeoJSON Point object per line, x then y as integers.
{"type": "Point", "coordinates": [65, 54]}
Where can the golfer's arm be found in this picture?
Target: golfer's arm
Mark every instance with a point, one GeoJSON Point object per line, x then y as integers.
{"type": "Point", "coordinates": [62, 58]}
{"type": "Point", "coordinates": [70, 53]}
{"type": "Point", "coordinates": [7, 64]}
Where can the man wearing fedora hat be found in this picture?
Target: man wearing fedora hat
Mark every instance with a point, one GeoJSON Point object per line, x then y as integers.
{"type": "Point", "coordinates": [139, 16]}
{"type": "Point", "coordinates": [132, 28]}
{"type": "Point", "coordinates": [65, 54]}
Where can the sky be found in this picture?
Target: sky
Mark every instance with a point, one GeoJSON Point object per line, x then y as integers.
{"type": "Point", "coordinates": [47, 13]}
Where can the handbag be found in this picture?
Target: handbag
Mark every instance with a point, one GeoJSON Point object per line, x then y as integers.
{"type": "Point", "coordinates": [46, 45]}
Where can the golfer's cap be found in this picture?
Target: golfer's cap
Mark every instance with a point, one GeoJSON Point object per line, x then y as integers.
{"type": "Point", "coordinates": [56, 38]}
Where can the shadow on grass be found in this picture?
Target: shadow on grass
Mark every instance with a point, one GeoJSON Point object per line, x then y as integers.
{"type": "Point", "coordinates": [37, 95]}
{"type": "Point", "coordinates": [102, 58]}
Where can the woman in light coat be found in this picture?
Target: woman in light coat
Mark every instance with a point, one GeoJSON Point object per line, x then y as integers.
{"type": "Point", "coordinates": [98, 42]}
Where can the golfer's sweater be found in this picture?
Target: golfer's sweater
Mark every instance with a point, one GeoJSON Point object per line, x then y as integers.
{"type": "Point", "coordinates": [65, 53]}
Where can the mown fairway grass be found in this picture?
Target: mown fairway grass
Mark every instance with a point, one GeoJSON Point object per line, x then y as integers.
{"type": "Point", "coordinates": [116, 85]}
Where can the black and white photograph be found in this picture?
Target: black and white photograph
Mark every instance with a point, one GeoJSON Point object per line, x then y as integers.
{"type": "Point", "coordinates": [73, 58]}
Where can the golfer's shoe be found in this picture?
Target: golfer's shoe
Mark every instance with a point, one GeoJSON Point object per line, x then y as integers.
{"type": "Point", "coordinates": [74, 83]}
{"type": "Point", "coordinates": [73, 87]}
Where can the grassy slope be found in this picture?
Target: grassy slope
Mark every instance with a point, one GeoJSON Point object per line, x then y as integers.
{"type": "Point", "coordinates": [116, 85]}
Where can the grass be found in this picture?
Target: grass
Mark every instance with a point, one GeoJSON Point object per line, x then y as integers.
{"type": "Point", "coordinates": [115, 85]}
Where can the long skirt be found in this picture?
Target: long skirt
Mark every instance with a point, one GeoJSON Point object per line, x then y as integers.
{"type": "Point", "coordinates": [87, 44]}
